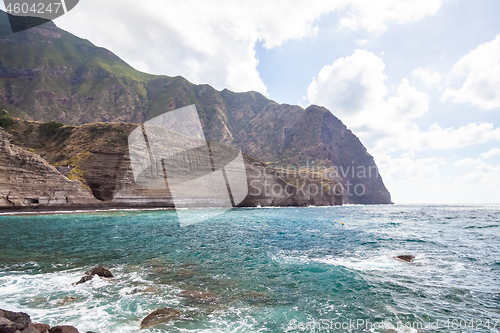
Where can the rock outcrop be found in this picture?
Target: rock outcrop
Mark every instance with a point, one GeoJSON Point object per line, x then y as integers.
{"type": "Point", "coordinates": [20, 322]}
{"type": "Point", "coordinates": [99, 271]}
{"type": "Point", "coordinates": [63, 329]}
{"type": "Point", "coordinates": [159, 316]}
{"type": "Point", "coordinates": [96, 157]}
{"type": "Point", "coordinates": [13, 321]}
{"type": "Point", "coordinates": [27, 180]}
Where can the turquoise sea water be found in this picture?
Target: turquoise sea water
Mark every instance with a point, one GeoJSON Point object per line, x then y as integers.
{"type": "Point", "coordinates": [274, 270]}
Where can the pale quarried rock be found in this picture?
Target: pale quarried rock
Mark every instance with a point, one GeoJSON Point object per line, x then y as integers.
{"type": "Point", "coordinates": [27, 180]}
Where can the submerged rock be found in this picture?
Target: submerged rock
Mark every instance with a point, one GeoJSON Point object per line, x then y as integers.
{"type": "Point", "coordinates": [146, 289]}
{"type": "Point", "coordinates": [160, 316]}
{"type": "Point", "coordinates": [198, 295]}
{"type": "Point", "coordinates": [405, 257]}
{"type": "Point", "coordinates": [100, 271]}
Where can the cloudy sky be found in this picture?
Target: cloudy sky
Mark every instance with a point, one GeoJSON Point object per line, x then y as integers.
{"type": "Point", "coordinates": [417, 80]}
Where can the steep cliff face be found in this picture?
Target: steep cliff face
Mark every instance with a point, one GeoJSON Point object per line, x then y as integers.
{"type": "Point", "coordinates": [329, 143]}
{"type": "Point", "coordinates": [27, 180]}
{"type": "Point", "coordinates": [97, 157]}
{"type": "Point", "coordinates": [47, 74]}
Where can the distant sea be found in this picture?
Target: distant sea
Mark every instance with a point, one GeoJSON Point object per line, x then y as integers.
{"type": "Point", "coordinates": [273, 269]}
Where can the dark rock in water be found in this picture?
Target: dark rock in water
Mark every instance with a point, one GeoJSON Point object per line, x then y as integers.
{"type": "Point", "coordinates": [100, 271]}
{"type": "Point", "coordinates": [198, 295]}
{"type": "Point", "coordinates": [159, 316]}
{"type": "Point", "coordinates": [405, 257]}
{"type": "Point", "coordinates": [85, 279]}
{"type": "Point", "coordinates": [12, 321]}
{"type": "Point", "coordinates": [63, 329]}
{"type": "Point", "coordinates": [41, 327]}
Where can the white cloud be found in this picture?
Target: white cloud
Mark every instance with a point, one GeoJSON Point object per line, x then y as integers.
{"type": "Point", "coordinates": [204, 41]}
{"type": "Point", "coordinates": [408, 167]}
{"type": "Point", "coordinates": [467, 162]}
{"type": "Point", "coordinates": [214, 41]}
{"type": "Point", "coordinates": [351, 85]}
{"type": "Point", "coordinates": [482, 174]}
{"type": "Point", "coordinates": [354, 89]}
{"type": "Point", "coordinates": [427, 76]}
{"type": "Point", "coordinates": [434, 180]}
{"type": "Point", "coordinates": [478, 74]}
{"type": "Point", "coordinates": [491, 153]}
{"type": "Point", "coordinates": [374, 16]}
{"type": "Point", "coordinates": [436, 137]}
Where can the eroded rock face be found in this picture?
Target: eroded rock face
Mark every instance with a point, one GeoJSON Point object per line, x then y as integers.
{"type": "Point", "coordinates": [105, 166]}
{"type": "Point", "coordinates": [160, 316]}
{"type": "Point", "coordinates": [27, 180]}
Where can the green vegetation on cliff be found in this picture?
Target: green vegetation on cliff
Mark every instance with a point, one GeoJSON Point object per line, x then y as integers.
{"type": "Point", "coordinates": [48, 74]}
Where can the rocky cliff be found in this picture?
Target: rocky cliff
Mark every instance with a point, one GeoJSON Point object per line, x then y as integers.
{"type": "Point", "coordinates": [92, 168]}
{"type": "Point", "coordinates": [47, 74]}
{"type": "Point", "coordinates": [26, 179]}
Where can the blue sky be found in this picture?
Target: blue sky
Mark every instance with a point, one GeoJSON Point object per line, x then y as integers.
{"type": "Point", "coordinates": [417, 81]}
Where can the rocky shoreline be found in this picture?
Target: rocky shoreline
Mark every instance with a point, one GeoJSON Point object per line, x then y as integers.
{"type": "Point", "coordinates": [20, 322]}
{"type": "Point", "coordinates": [102, 178]}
